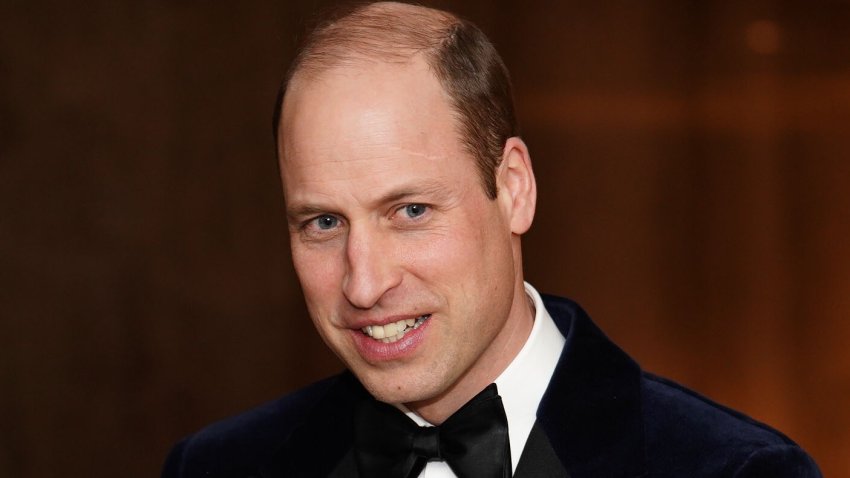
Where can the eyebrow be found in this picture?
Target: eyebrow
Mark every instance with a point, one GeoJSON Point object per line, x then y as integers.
{"type": "Point", "coordinates": [304, 210]}
{"type": "Point", "coordinates": [423, 188]}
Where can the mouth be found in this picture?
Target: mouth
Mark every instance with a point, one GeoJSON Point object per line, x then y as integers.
{"type": "Point", "coordinates": [394, 331]}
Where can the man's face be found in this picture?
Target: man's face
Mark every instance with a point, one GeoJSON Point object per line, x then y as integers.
{"type": "Point", "coordinates": [392, 234]}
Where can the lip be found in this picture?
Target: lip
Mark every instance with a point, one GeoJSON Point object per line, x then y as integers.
{"type": "Point", "coordinates": [374, 351]}
{"type": "Point", "coordinates": [359, 324]}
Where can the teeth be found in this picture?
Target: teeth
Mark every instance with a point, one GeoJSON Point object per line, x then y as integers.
{"type": "Point", "coordinates": [394, 331]}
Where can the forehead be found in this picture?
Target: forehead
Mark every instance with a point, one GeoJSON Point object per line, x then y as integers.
{"type": "Point", "coordinates": [356, 120]}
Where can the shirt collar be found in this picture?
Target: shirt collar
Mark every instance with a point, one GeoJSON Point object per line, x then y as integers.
{"type": "Point", "coordinates": [523, 383]}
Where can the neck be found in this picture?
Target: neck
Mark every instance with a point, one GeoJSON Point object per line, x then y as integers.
{"type": "Point", "coordinates": [489, 365]}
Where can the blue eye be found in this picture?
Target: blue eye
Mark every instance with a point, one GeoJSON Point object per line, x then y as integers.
{"type": "Point", "coordinates": [326, 222]}
{"type": "Point", "coordinates": [415, 210]}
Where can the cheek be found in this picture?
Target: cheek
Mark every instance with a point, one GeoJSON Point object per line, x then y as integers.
{"type": "Point", "coordinates": [454, 264]}
{"type": "Point", "coordinates": [316, 272]}
{"type": "Point", "coordinates": [468, 247]}
{"type": "Point", "coordinates": [319, 272]}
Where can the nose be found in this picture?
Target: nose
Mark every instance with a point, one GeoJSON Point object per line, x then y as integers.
{"type": "Point", "coordinates": [372, 269]}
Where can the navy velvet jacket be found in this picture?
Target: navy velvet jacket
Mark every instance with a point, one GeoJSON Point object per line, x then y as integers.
{"type": "Point", "coordinates": [601, 416]}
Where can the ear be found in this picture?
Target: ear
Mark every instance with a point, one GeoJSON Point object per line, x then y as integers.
{"type": "Point", "coordinates": [517, 187]}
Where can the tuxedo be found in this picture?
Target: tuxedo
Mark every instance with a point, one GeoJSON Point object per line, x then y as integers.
{"type": "Point", "coordinates": [601, 416]}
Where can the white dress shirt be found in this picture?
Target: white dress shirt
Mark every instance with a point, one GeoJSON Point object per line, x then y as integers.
{"type": "Point", "coordinates": [521, 385]}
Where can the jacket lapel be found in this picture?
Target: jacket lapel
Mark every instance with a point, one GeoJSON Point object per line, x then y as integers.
{"type": "Point", "coordinates": [321, 445]}
{"type": "Point", "coordinates": [591, 411]}
{"type": "Point", "coordinates": [346, 468]}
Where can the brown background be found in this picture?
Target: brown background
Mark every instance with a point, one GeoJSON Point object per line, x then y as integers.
{"type": "Point", "coordinates": [693, 159]}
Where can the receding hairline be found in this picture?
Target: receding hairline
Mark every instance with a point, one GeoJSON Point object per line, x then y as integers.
{"type": "Point", "coordinates": [458, 54]}
{"type": "Point", "coordinates": [386, 32]}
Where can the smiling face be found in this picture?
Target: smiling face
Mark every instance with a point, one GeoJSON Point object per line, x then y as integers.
{"type": "Point", "coordinates": [389, 224]}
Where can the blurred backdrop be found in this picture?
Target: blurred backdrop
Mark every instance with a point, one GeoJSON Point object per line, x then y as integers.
{"type": "Point", "coordinates": [693, 160]}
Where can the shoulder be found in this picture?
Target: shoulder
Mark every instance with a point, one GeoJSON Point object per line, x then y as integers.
{"type": "Point", "coordinates": [689, 435]}
{"type": "Point", "coordinates": [237, 445]}
{"type": "Point", "coordinates": [644, 422]}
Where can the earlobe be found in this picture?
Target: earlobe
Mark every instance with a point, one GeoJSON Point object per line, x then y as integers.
{"type": "Point", "coordinates": [517, 187]}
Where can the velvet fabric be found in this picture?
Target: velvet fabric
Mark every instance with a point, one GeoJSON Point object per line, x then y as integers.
{"type": "Point", "coordinates": [601, 416]}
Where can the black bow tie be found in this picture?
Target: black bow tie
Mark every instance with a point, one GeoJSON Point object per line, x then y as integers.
{"type": "Point", "coordinates": [473, 441]}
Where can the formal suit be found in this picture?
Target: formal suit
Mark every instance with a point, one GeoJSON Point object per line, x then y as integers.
{"type": "Point", "coordinates": [601, 416]}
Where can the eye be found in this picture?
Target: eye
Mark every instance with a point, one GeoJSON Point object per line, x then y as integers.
{"type": "Point", "coordinates": [325, 222]}
{"type": "Point", "coordinates": [415, 210]}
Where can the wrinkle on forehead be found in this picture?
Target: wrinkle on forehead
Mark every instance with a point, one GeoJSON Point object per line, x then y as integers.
{"type": "Point", "coordinates": [358, 132]}
{"type": "Point", "coordinates": [369, 189]}
{"type": "Point", "coordinates": [388, 157]}
{"type": "Point", "coordinates": [393, 161]}
{"type": "Point", "coordinates": [370, 135]}
{"type": "Point", "coordinates": [364, 157]}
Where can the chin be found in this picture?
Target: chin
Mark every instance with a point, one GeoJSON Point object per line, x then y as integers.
{"type": "Point", "coordinates": [387, 390]}
{"type": "Point", "coordinates": [389, 393]}
{"type": "Point", "coordinates": [390, 396]}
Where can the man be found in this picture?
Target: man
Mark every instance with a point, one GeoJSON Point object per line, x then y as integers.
{"type": "Point", "coordinates": [407, 192]}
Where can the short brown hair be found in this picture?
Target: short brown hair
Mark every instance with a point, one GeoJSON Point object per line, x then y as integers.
{"type": "Point", "coordinates": [464, 61]}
